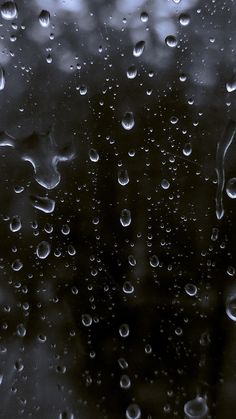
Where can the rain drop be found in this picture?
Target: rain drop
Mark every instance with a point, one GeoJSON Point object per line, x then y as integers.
{"type": "Point", "coordinates": [131, 72]}
{"type": "Point", "coordinates": [184, 19]}
{"type": "Point", "coordinates": [138, 49]}
{"type": "Point", "coordinates": [133, 412]}
{"type": "Point", "coordinates": [191, 289]}
{"type": "Point", "coordinates": [43, 250]}
{"type": "Point", "coordinates": [123, 177]}
{"type": "Point", "coordinates": [171, 41]}
{"type": "Point", "coordinates": [196, 408]}
{"type": "Point", "coordinates": [93, 155]}
{"type": "Point", "coordinates": [2, 78]}
{"type": "Point", "coordinates": [9, 10]}
{"type": "Point", "coordinates": [231, 307]}
{"type": "Point", "coordinates": [44, 18]}
{"type": "Point", "coordinates": [231, 188]}
{"type": "Point", "coordinates": [125, 218]}
{"type": "Point", "coordinates": [128, 121]}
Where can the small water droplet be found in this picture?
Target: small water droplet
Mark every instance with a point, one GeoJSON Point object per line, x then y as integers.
{"type": "Point", "coordinates": [187, 150]}
{"type": "Point", "coordinates": [44, 18]}
{"type": "Point", "coordinates": [128, 121]}
{"type": "Point", "coordinates": [86, 320]}
{"type": "Point", "coordinates": [154, 261]}
{"type": "Point", "coordinates": [43, 250]}
{"type": "Point", "coordinates": [138, 48]}
{"type": "Point", "coordinates": [165, 184]}
{"type": "Point", "coordinates": [125, 218]}
{"type": "Point", "coordinates": [43, 204]}
{"type": "Point", "coordinates": [125, 382]}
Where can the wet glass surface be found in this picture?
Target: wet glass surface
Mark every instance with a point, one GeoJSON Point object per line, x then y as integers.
{"type": "Point", "coordinates": [117, 201]}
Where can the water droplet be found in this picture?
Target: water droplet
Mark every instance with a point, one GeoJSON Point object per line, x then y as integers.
{"type": "Point", "coordinates": [43, 204]}
{"type": "Point", "coordinates": [43, 250]}
{"type": "Point", "coordinates": [184, 19]}
{"type": "Point", "coordinates": [165, 184]}
{"type": "Point", "coordinates": [191, 289]}
{"type": "Point", "coordinates": [128, 121]}
{"type": "Point", "coordinates": [93, 155]}
{"type": "Point", "coordinates": [222, 148]}
{"type": "Point", "coordinates": [9, 10]}
{"type": "Point", "coordinates": [125, 218]}
{"type": "Point", "coordinates": [123, 363]}
{"type": "Point", "coordinates": [15, 224]}
{"type": "Point", "coordinates": [44, 18]}
{"type": "Point", "coordinates": [2, 78]}
{"type": "Point", "coordinates": [196, 408]}
{"type": "Point", "coordinates": [231, 271]}
{"type": "Point", "coordinates": [231, 188]}
{"type": "Point", "coordinates": [21, 330]}
{"type": "Point", "coordinates": [171, 41]}
{"type": "Point", "coordinates": [154, 261]}
{"type": "Point", "coordinates": [17, 265]}
{"type": "Point", "coordinates": [144, 17]}
{"type": "Point", "coordinates": [131, 72]}
{"type": "Point", "coordinates": [128, 287]}
{"type": "Point", "coordinates": [86, 320]}
{"type": "Point", "coordinates": [123, 177]}
{"type": "Point", "coordinates": [133, 412]}
{"type": "Point", "coordinates": [231, 87]}
{"type": "Point", "coordinates": [231, 307]}
{"type": "Point", "coordinates": [125, 382]}
{"type": "Point", "coordinates": [187, 150]}
{"type": "Point", "coordinates": [138, 48]}
{"type": "Point", "coordinates": [83, 90]}
{"type": "Point", "coordinates": [124, 330]}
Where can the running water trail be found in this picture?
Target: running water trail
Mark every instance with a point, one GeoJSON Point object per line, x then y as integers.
{"type": "Point", "coordinates": [222, 148]}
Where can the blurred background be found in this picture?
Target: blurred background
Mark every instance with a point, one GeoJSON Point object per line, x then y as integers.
{"type": "Point", "coordinates": [117, 272]}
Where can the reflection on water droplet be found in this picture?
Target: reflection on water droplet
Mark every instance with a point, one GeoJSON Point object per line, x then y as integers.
{"type": "Point", "coordinates": [125, 382]}
{"type": "Point", "coordinates": [93, 155]}
{"type": "Point", "coordinates": [154, 261]}
{"type": "Point", "coordinates": [131, 72]}
{"type": "Point", "coordinates": [15, 224]}
{"type": "Point", "coordinates": [86, 320]}
{"type": "Point", "coordinates": [138, 49]}
{"type": "Point", "coordinates": [128, 287]}
{"type": "Point", "coordinates": [43, 250]}
{"type": "Point", "coordinates": [44, 18]}
{"type": "Point", "coordinates": [184, 19]}
{"type": "Point", "coordinates": [21, 330]}
{"type": "Point", "coordinates": [231, 188]}
{"type": "Point", "coordinates": [187, 150]}
{"type": "Point", "coordinates": [124, 330]}
{"type": "Point", "coordinates": [2, 78]}
{"type": "Point", "coordinates": [231, 307]}
{"type": "Point", "coordinates": [165, 184]}
{"type": "Point", "coordinates": [144, 17]}
{"type": "Point", "coordinates": [191, 289]}
{"type": "Point", "coordinates": [125, 217]}
{"type": "Point", "coordinates": [9, 10]}
{"type": "Point", "coordinates": [17, 265]}
{"type": "Point", "coordinates": [123, 177]}
{"type": "Point", "coordinates": [171, 41]}
{"type": "Point", "coordinates": [231, 87]}
{"type": "Point", "coordinates": [196, 408]}
{"type": "Point", "coordinates": [43, 204]}
{"type": "Point", "coordinates": [128, 121]}
{"type": "Point", "coordinates": [133, 412]}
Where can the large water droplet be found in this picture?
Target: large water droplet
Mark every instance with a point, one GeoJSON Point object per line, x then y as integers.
{"type": "Point", "coordinates": [184, 19]}
{"type": "Point", "coordinates": [231, 188]}
{"type": "Point", "coordinates": [144, 17]}
{"type": "Point", "coordinates": [231, 87]}
{"type": "Point", "coordinates": [133, 412]}
{"type": "Point", "coordinates": [44, 18]}
{"type": "Point", "coordinates": [93, 155]}
{"type": "Point", "coordinates": [171, 41]}
{"type": "Point", "coordinates": [2, 78]}
{"type": "Point", "coordinates": [139, 48]}
{"type": "Point", "coordinates": [196, 408]}
{"type": "Point", "coordinates": [124, 330]}
{"type": "Point", "coordinates": [231, 307]}
{"type": "Point", "coordinates": [123, 177]}
{"type": "Point", "coordinates": [191, 289]}
{"type": "Point", "coordinates": [15, 224]}
{"type": "Point", "coordinates": [125, 382]}
{"type": "Point", "coordinates": [187, 150]}
{"type": "Point", "coordinates": [128, 121]}
{"type": "Point", "coordinates": [125, 217]}
{"type": "Point", "coordinates": [43, 250]}
{"type": "Point", "coordinates": [9, 10]}
{"type": "Point", "coordinates": [43, 204]}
